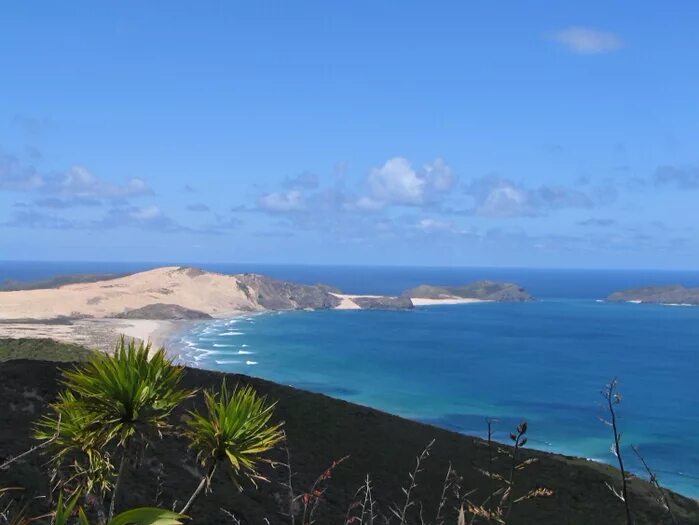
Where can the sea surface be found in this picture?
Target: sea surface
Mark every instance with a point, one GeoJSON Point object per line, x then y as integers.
{"type": "Point", "coordinates": [454, 366]}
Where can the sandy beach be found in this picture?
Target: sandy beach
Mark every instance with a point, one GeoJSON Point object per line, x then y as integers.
{"type": "Point", "coordinates": [418, 301]}
{"type": "Point", "coordinates": [100, 334]}
{"type": "Point", "coordinates": [347, 301]}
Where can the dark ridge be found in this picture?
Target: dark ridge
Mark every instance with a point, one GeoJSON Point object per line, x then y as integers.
{"type": "Point", "coordinates": [11, 285]}
{"type": "Point", "coordinates": [384, 303]}
{"type": "Point", "coordinates": [273, 294]}
{"type": "Point", "coordinates": [163, 311]}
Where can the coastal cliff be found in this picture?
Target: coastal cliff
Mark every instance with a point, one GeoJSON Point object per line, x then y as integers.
{"type": "Point", "coordinates": [272, 294]}
{"type": "Point", "coordinates": [670, 294]}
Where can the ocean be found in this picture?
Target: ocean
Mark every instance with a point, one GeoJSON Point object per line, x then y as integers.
{"type": "Point", "coordinates": [454, 366]}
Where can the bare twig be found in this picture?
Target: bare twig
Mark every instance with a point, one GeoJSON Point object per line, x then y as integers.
{"type": "Point", "coordinates": [449, 480]}
{"type": "Point", "coordinates": [363, 504]}
{"type": "Point", "coordinates": [613, 398]}
{"type": "Point", "coordinates": [490, 421]}
{"type": "Point", "coordinates": [402, 513]}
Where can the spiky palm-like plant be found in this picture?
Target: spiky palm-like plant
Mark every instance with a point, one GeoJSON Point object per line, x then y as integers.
{"type": "Point", "coordinates": [127, 393]}
{"type": "Point", "coordinates": [67, 427]}
{"type": "Point", "coordinates": [235, 429]}
{"type": "Point", "coordinates": [114, 398]}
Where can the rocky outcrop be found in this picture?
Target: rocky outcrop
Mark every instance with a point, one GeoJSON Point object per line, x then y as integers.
{"type": "Point", "coordinates": [272, 294]}
{"type": "Point", "coordinates": [671, 294]}
{"type": "Point", "coordinates": [163, 312]}
{"type": "Point", "coordinates": [482, 290]}
{"type": "Point", "coordinates": [383, 303]}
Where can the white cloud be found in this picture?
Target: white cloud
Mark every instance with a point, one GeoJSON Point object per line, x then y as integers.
{"type": "Point", "coordinates": [365, 203]}
{"type": "Point", "coordinates": [80, 181]}
{"type": "Point", "coordinates": [282, 201]}
{"type": "Point", "coordinates": [499, 197]}
{"type": "Point", "coordinates": [586, 41]}
{"type": "Point", "coordinates": [146, 213]}
{"type": "Point", "coordinates": [397, 183]}
{"type": "Point", "coordinates": [505, 200]}
{"type": "Point", "coordinates": [15, 177]}
{"type": "Point", "coordinates": [430, 225]}
{"type": "Point", "coordinates": [77, 181]}
{"type": "Point", "coordinates": [439, 176]}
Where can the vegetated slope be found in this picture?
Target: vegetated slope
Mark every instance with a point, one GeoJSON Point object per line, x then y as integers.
{"type": "Point", "coordinates": [162, 311]}
{"type": "Point", "coordinates": [670, 294]}
{"type": "Point", "coordinates": [12, 285]}
{"type": "Point", "coordinates": [42, 349]}
{"type": "Point", "coordinates": [483, 290]}
{"type": "Point", "coordinates": [321, 430]}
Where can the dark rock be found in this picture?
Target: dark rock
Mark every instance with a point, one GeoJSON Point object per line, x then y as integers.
{"type": "Point", "coordinates": [164, 312]}
{"type": "Point", "coordinates": [384, 303]}
{"type": "Point", "coordinates": [281, 295]}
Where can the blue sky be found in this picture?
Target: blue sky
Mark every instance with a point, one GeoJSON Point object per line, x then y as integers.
{"type": "Point", "coordinates": [429, 133]}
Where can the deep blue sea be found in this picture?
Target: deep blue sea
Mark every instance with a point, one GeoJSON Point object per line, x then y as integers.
{"type": "Point", "coordinates": [454, 366]}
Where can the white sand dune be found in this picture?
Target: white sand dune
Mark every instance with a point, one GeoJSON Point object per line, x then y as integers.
{"type": "Point", "coordinates": [212, 293]}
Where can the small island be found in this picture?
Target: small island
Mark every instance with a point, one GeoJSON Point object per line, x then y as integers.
{"type": "Point", "coordinates": [674, 294]}
{"type": "Point", "coordinates": [477, 291]}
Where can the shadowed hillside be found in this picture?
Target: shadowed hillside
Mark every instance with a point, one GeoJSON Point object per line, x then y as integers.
{"type": "Point", "coordinates": [321, 430]}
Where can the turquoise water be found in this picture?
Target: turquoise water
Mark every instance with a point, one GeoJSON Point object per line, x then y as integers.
{"type": "Point", "coordinates": [453, 366]}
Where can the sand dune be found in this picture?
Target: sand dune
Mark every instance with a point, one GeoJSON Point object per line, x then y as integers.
{"type": "Point", "coordinates": [212, 293]}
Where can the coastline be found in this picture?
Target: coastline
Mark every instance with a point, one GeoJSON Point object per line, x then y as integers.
{"type": "Point", "coordinates": [418, 301]}
{"type": "Point", "coordinates": [99, 334]}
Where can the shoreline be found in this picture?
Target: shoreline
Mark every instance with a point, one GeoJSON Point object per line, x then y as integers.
{"type": "Point", "coordinates": [99, 334]}
{"type": "Point", "coordinates": [418, 301]}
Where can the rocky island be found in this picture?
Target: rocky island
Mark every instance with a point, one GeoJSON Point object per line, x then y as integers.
{"type": "Point", "coordinates": [476, 291]}
{"type": "Point", "coordinates": [670, 294]}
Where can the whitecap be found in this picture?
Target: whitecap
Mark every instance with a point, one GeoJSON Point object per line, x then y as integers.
{"type": "Point", "coordinates": [677, 304]}
{"type": "Point", "coordinates": [226, 362]}
{"type": "Point", "coordinates": [250, 362]}
{"type": "Point", "coordinates": [231, 333]}
{"type": "Point", "coordinates": [218, 345]}
{"type": "Point", "coordinates": [243, 352]}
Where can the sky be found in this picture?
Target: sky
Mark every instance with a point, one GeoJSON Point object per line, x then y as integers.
{"type": "Point", "coordinates": [535, 134]}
